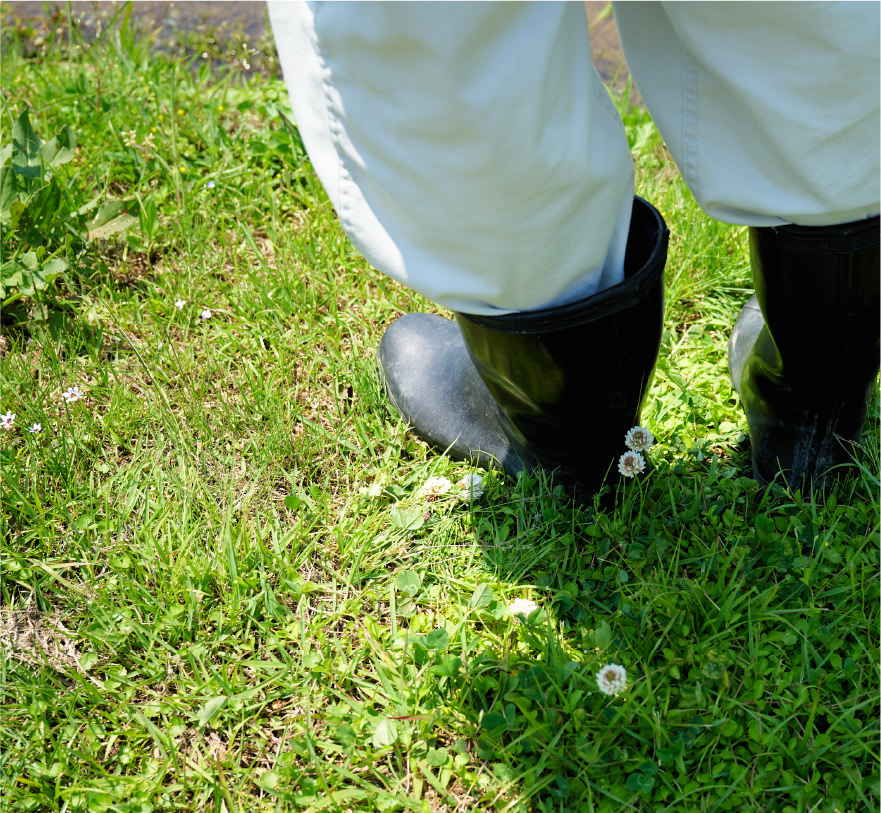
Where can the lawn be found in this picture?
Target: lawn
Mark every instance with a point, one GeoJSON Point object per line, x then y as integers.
{"type": "Point", "coordinates": [224, 586]}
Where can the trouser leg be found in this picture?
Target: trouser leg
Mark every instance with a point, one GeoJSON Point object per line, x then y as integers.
{"type": "Point", "coordinates": [469, 149]}
{"type": "Point", "coordinates": [770, 110]}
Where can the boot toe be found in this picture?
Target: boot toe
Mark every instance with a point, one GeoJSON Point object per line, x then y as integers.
{"type": "Point", "coordinates": [430, 380]}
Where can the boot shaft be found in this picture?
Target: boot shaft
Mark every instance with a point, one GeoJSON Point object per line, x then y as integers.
{"type": "Point", "coordinates": [571, 380]}
{"type": "Point", "coordinates": [814, 356]}
{"type": "Point", "coordinates": [818, 289]}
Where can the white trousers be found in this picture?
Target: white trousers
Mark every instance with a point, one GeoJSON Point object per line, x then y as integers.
{"type": "Point", "coordinates": [471, 150]}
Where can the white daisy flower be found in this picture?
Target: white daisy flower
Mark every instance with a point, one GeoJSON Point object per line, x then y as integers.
{"type": "Point", "coordinates": [522, 606]}
{"type": "Point", "coordinates": [7, 421]}
{"type": "Point", "coordinates": [631, 463]}
{"type": "Point", "coordinates": [72, 394]}
{"type": "Point", "coordinates": [472, 487]}
{"type": "Point", "coordinates": [612, 679]}
{"type": "Point", "coordinates": [206, 314]}
{"type": "Point", "coordinates": [435, 487]}
{"type": "Point", "coordinates": [639, 439]}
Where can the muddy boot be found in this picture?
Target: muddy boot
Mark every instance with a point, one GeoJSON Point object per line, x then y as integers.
{"type": "Point", "coordinates": [804, 353]}
{"type": "Point", "coordinates": [554, 389]}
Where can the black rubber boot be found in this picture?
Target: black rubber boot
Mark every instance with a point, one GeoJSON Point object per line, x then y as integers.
{"type": "Point", "coordinates": [804, 353]}
{"type": "Point", "coordinates": [555, 389]}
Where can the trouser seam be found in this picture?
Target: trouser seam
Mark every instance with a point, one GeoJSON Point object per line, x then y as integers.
{"type": "Point", "coordinates": [691, 124]}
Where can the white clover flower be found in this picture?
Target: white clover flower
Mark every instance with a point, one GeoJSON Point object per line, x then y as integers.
{"type": "Point", "coordinates": [179, 303]}
{"type": "Point", "coordinates": [435, 487]}
{"type": "Point", "coordinates": [612, 679]}
{"type": "Point", "coordinates": [631, 463]}
{"type": "Point", "coordinates": [472, 487]}
{"type": "Point", "coordinates": [7, 421]}
{"type": "Point", "coordinates": [639, 439]}
{"type": "Point", "coordinates": [34, 428]}
{"type": "Point", "coordinates": [72, 394]}
{"type": "Point", "coordinates": [522, 606]}
{"type": "Point", "coordinates": [206, 314]}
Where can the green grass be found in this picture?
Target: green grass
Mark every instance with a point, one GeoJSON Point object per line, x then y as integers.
{"type": "Point", "coordinates": [223, 590]}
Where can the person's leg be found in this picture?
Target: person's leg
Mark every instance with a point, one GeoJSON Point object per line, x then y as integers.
{"type": "Point", "coordinates": [771, 111]}
{"type": "Point", "coordinates": [472, 152]}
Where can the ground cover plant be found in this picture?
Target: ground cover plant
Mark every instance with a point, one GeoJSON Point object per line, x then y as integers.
{"type": "Point", "coordinates": [232, 581]}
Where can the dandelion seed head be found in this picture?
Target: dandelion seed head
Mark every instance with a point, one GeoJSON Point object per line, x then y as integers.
{"type": "Point", "coordinates": [639, 439]}
{"type": "Point", "coordinates": [435, 487]}
{"type": "Point", "coordinates": [631, 463]}
{"type": "Point", "coordinates": [612, 679]}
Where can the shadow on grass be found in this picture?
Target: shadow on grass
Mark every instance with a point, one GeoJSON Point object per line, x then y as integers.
{"type": "Point", "coordinates": [679, 578]}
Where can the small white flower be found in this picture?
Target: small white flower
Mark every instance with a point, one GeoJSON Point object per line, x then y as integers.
{"type": "Point", "coordinates": [206, 314]}
{"type": "Point", "coordinates": [631, 464]}
{"type": "Point", "coordinates": [72, 394]}
{"type": "Point", "coordinates": [472, 487]}
{"type": "Point", "coordinates": [34, 428]}
{"type": "Point", "coordinates": [612, 679]}
{"type": "Point", "coordinates": [435, 487]}
{"type": "Point", "coordinates": [522, 606]}
{"type": "Point", "coordinates": [209, 185]}
{"type": "Point", "coordinates": [7, 421]}
{"type": "Point", "coordinates": [179, 303]}
{"type": "Point", "coordinates": [639, 439]}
